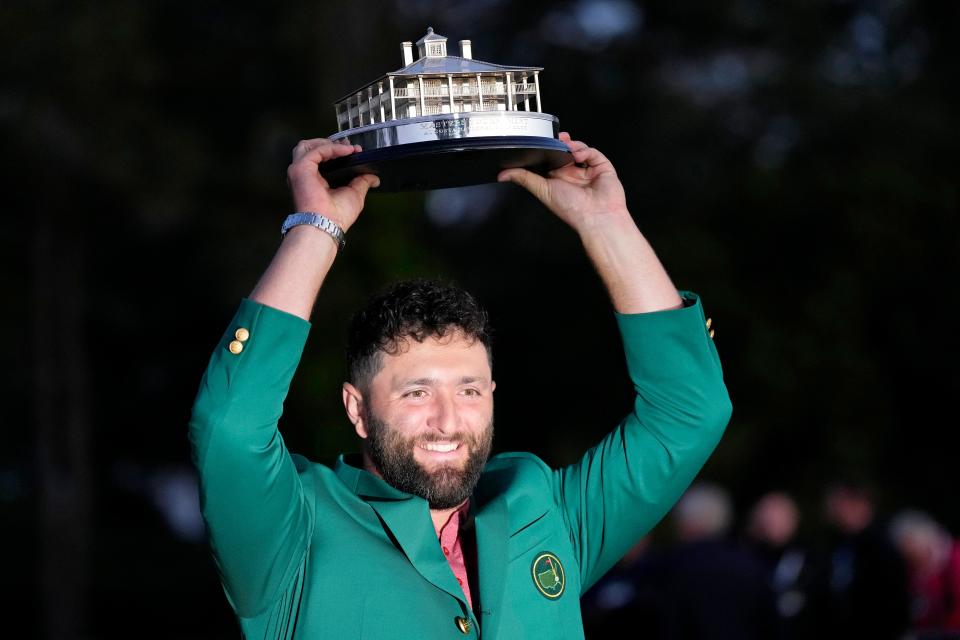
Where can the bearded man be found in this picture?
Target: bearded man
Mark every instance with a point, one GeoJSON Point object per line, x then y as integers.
{"type": "Point", "coordinates": [425, 536]}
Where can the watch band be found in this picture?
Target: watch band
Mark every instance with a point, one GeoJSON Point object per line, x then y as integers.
{"type": "Point", "coordinates": [315, 220]}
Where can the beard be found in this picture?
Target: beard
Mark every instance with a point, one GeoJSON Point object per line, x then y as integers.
{"type": "Point", "coordinates": [443, 488]}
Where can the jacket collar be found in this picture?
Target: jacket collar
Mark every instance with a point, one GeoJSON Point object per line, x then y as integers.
{"type": "Point", "coordinates": [408, 519]}
{"type": "Point", "coordinates": [349, 468]}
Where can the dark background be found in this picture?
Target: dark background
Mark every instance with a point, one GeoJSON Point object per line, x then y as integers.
{"type": "Point", "coordinates": [793, 162]}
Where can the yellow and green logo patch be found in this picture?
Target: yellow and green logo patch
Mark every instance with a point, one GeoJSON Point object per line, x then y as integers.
{"type": "Point", "coordinates": [548, 575]}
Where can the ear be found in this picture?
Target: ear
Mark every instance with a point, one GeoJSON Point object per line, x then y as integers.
{"type": "Point", "coordinates": [493, 386]}
{"type": "Point", "coordinates": [353, 405]}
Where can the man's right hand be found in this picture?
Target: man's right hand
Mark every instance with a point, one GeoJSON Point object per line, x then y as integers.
{"type": "Point", "coordinates": [312, 193]}
{"type": "Point", "coordinates": [293, 279]}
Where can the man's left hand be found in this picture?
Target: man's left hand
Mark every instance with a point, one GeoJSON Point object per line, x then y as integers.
{"type": "Point", "coordinates": [582, 194]}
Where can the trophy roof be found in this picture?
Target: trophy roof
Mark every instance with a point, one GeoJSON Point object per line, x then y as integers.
{"type": "Point", "coordinates": [435, 65]}
{"type": "Point", "coordinates": [454, 64]}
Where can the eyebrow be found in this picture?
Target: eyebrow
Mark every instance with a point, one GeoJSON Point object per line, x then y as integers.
{"type": "Point", "coordinates": [426, 382]}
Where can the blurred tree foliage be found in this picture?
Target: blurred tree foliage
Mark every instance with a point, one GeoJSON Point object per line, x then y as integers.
{"type": "Point", "coordinates": [795, 164]}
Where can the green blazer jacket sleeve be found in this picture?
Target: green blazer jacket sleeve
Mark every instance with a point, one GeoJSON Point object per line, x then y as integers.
{"type": "Point", "coordinates": [306, 551]}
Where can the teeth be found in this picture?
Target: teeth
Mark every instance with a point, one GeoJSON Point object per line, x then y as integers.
{"type": "Point", "coordinates": [435, 446]}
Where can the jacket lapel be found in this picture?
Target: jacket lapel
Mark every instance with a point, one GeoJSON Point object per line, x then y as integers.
{"type": "Point", "coordinates": [491, 527]}
{"type": "Point", "coordinates": [408, 520]}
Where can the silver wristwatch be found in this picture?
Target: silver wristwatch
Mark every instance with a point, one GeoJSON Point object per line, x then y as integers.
{"type": "Point", "coordinates": [314, 220]}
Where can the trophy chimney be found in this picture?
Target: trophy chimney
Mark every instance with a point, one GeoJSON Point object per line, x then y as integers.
{"type": "Point", "coordinates": [407, 48]}
{"type": "Point", "coordinates": [466, 50]}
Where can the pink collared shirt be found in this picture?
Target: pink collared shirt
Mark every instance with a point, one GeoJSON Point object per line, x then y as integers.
{"type": "Point", "coordinates": [451, 544]}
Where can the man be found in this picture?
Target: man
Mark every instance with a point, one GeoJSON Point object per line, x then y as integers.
{"type": "Point", "coordinates": [418, 538]}
{"type": "Point", "coordinates": [712, 588]}
{"type": "Point", "coordinates": [860, 588]}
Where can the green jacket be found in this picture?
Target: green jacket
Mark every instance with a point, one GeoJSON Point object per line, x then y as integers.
{"type": "Point", "coordinates": [306, 551]}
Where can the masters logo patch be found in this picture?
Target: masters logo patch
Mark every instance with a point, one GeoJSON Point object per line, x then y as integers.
{"type": "Point", "coordinates": [548, 575]}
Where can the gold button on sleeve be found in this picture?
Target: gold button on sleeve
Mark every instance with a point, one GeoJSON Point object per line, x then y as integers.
{"type": "Point", "coordinates": [235, 347]}
{"type": "Point", "coordinates": [242, 334]}
{"type": "Point", "coordinates": [709, 322]}
{"type": "Point", "coordinates": [463, 624]}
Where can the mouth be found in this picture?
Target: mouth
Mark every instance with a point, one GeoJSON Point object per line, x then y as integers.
{"type": "Point", "coordinates": [441, 450]}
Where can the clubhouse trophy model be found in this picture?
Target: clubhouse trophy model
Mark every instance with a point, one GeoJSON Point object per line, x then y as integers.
{"type": "Point", "coordinates": [445, 121]}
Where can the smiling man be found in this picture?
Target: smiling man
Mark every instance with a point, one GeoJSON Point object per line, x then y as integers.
{"type": "Point", "coordinates": [420, 393]}
{"type": "Point", "coordinates": [424, 535]}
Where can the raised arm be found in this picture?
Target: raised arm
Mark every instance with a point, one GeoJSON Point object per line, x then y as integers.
{"type": "Point", "coordinates": [625, 484]}
{"type": "Point", "coordinates": [590, 198]}
{"type": "Point", "coordinates": [258, 518]}
{"type": "Point", "coordinates": [292, 281]}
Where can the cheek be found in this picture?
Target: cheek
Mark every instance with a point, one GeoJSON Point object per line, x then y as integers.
{"type": "Point", "coordinates": [479, 421]}
{"type": "Point", "coordinates": [408, 421]}
{"type": "Point", "coordinates": [474, 412]}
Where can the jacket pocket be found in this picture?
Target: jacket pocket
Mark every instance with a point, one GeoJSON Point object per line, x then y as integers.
{"type": "Point", "coordinates": [531, 535]}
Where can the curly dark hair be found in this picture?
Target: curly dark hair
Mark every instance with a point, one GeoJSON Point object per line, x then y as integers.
{"type": "Point", "coordinates": [416, 309]}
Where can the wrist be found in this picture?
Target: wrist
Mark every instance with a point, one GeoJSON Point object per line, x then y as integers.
{"type": "Point", "coordinates": [612, 221]}
{"type": "Point", "coordinates": [319, 222]}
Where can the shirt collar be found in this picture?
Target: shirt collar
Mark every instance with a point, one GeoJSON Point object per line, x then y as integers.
{"type": "Point", "coordinates": [456, 520]}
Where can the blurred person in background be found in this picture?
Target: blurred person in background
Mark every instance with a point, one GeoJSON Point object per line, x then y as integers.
{"type": "Point", "coordinates": [933, 566]}
{"type": "Point", "coordinates": [862, 584]}
{"type": "Point", "coordinates": [771, 532]}
{"type": "Point", "coordinates": [712, 587]}
{"type": "Point", "coordinates": [627, 597]}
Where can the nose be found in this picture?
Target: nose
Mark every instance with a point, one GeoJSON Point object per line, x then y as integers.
{"type": "Point", "coordinates": [443, 419]}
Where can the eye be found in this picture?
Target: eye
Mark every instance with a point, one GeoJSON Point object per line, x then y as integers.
{"type": "Point", "coordinates": [416, 393]}
{"type": "Point", "coordinates": [474, 393]}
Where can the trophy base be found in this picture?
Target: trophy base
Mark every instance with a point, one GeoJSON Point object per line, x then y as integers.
{"type": "Point", "coordinates": [439, 164]}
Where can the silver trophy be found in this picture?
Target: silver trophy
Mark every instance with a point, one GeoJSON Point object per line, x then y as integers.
{"type": "Point", "coordinates": [445, 121]}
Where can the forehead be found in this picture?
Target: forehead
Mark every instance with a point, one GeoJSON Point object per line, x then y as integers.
{"type": "Point", "coordinates": [453, 354]}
